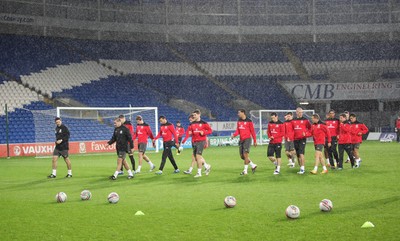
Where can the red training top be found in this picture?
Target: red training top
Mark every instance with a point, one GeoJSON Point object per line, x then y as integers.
{"type": "Point", "coordinates": [289, 131]}
{"type": "Point", "coordinates": [302, 128]}
{"type": "Point", "coordinates": [198, 130]}
{"type": "Point", "coordinates": [168, 133]}
{"type": "Point", "coordinates": [180, 131]}
{"type": "Point", "coordinates": [276, 131]}
{"type": "Point", "coordinates": [320, 133]}
{"type": "Point", "coordinates": [357, 129]}
{"type": "Point", "coordinates": [130, 127]}
{"type": "Point", "coordinates": [245, 128]}
{"type": "Point", "coordinates": [398, 124]}
{"type": "Point", "coordinates": [142, 132]}
{"type": "Point", "coordinates": [344, 133]}
{"type": "Point", "coordinates": [333, 126]}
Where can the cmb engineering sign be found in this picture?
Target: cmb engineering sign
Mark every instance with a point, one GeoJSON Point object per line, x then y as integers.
{"type": "Point", "coordinates": [344, 91]}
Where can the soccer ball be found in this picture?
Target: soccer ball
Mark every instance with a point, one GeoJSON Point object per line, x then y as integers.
{"type": "Point", "coordinates": [86, 195]}
{"type": "Point", "coordinates": [230, 201]}
{"type": "Point", "coordinates": [326, 205]}
{"type": "Point", "coordinates": [61, 197]}
{"type": "Point", "coordinates": [113, 197]}
{"type": "Point", "coordinates": [292, 212]}
{"type": "Point", "coordinates": [180, 148]}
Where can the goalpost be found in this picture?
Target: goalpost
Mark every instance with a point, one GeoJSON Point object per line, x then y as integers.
{"type": "Point", "coordinates": [89, 124]}
{"type": "Point", "coordinates": [261, 118]}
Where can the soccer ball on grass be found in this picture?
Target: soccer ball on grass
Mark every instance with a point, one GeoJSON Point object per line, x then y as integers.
{"type": "Point", "coordinates": [61, 197]}
{"type": "Point", "coordinates": [230, 201]}
{"type": "Point", "coordinates": [326, 205]}
{"type": "Point", "coordinates": [292, 212]}
{"type": "Point", "coordinates": [113, 198]}
{"type": "Point", "coordinates": [86, 195]}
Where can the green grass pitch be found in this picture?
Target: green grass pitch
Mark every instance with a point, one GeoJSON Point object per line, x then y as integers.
{"type": "Point", "coordinates": [179, 207]}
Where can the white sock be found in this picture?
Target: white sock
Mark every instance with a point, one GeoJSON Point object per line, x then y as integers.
{"type": "Point", "coordinates": [278, 168]}
{"type": "Point", "coordinates": [199, 171]}
{"type": "Point", "coordinates": [206, 166]}
{"type": "Point", "coordinates": [315, 168]}
{"type": "Point", "coordinates": [54, 172]}
{"type": "Point", "coordinates": [130, 172]}
{"type": "Point", "coordinates": [302, 168]}
{"type": "Point", "coordinates": [324, 168]}
{"type": "Point", "coordinates": [138, 168]}
{"type": "Point", "coordinates": [69, 172]}
{"type": "Point", "coordinates": [245, 168]}
{"type": "Point", "coordinates": [190, 169]}
{"type": "Point", "coordinates": [290, 161]}
{"type": "Point", "coordinates": [151, 164]}
{"type": "Point", "coordinates": [358, 160]}
{"type": "Point", "coordinates": [252, 164]}
{"type": "Point", "coordinates": [116, 173]}
{"type": "Point", "coordinates": [327, 160]}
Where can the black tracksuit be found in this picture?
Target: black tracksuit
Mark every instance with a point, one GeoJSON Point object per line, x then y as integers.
{"type": "Point", "coordinates": [122, 136]}
{"type": "Point", "coordinates": [62, 133]}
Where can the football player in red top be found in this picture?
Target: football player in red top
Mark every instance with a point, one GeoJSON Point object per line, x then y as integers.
{"type": "Point", "coordinates": [302, 128]}
{"type": "Point", "coordinates": [344, 140]}
{"type": "Point", "coordinates": [333, 126]}
{"type": "Point", "coordinates": [205, 165]}
{"type": "Point", "coordinates": [320, 134]}
{"type": "Point", "coordinates": [180, 131]}
{"type": "Point", "coordinates": [289, 138]}
{"type": "Point", "coordinates": [170, 139]}
{"type": "Point", "coordinates": [276, 132]}
{"type": "Point", "coordinates": [397, 128]}
{"type": "Point", "coordinates": [357, 130]}
{"type": "Point", "coordinates": [199, 130]}
{"type": "Point", "coordinates": [245, 129]}
{"type": "Point", "coordinates": [142, 133]}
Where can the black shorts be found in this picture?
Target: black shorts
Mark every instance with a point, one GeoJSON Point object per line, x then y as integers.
{"type": "Point", "coordinates": [63, 153]}
{"type": "Point", "coordinates": [319, 147]}
{"type": "Point", "coordinates": [300, 146]}
{"type": "Point", "coordinates": [198, 147]}
{"type": "Point", "coordinates": [274, 149]}
{"type": "Point", "coordinates": [179, 140]}
{"type": "Point", "coordinates": [121, 154]}
{"type": "Point", "coordinates": [244, 146]}
{"type": "Point", "coordinates": [142, 147]}
{"type": "Point", "coordinates": [289, 145]}
{"type": "Point", "coordinates": [356, 146]}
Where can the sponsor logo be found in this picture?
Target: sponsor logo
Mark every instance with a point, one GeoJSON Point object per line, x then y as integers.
{"type": "Point", "coordinates": [17, 150]}
{"type": "Point", "coordinates": [82, 147]}
{"type": "Point", "coordinates": [101, 146]}
{"type": "Point", "coordinates": [387, 136]}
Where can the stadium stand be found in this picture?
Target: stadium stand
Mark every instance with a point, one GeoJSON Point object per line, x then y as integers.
{"type": "Point", "coordinates": [231, 52]}
{"type": "Point", "coordinates": [121, 50]}
{"type": "Point", "coordinates": [57, 79]}
{"type": "Point", "coordinates": [263, 91]}
{"type": "Point", "coordinates": [22, 55]}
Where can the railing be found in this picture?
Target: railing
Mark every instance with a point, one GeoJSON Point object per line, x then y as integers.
{"type": "Point", "coordinates": [217, 16]}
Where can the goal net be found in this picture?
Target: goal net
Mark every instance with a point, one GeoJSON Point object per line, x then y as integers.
{"type": "Point", "coordinates": [261, 118]}
{"type": "Point", "coordinates": [90, 127]}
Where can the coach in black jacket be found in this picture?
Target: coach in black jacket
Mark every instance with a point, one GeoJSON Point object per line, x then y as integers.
{"type": "Point", "coordinates": [61, 149]}
{"type": "Point", "coordinates": [122, 137]}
